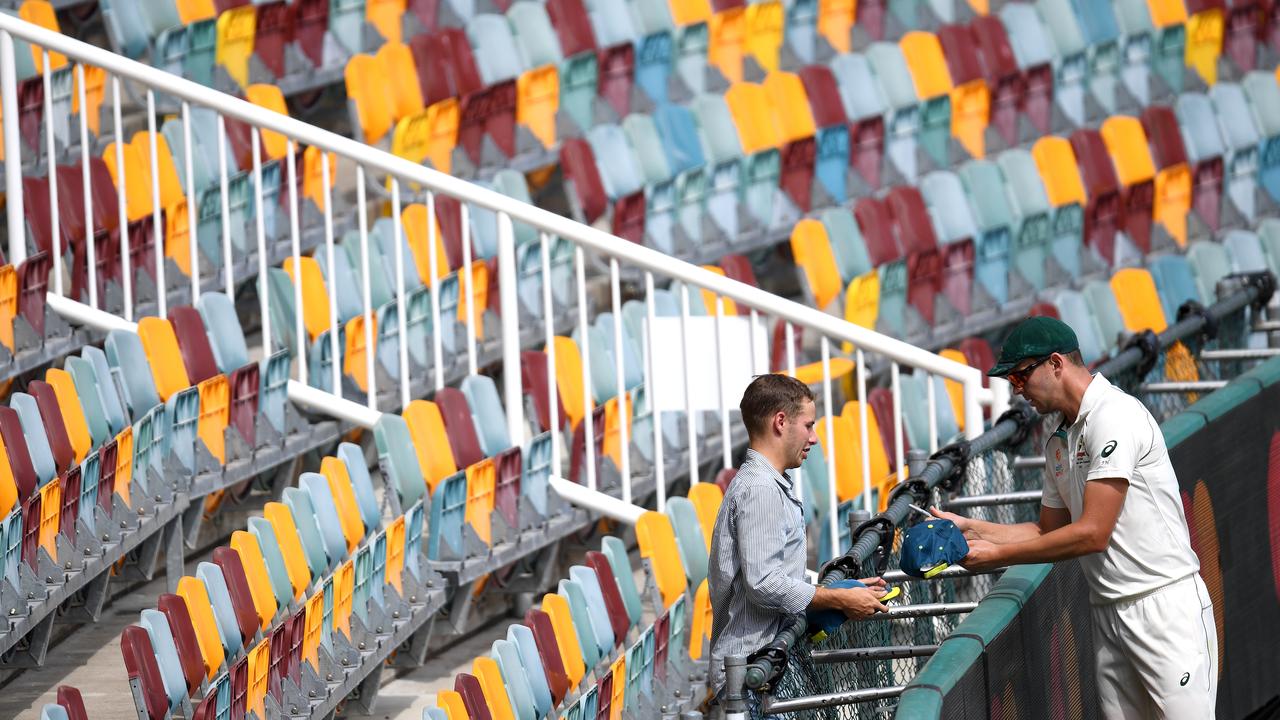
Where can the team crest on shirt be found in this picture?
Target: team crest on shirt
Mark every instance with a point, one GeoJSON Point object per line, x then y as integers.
{"type": "Point", "coordinates": [1082, 455]}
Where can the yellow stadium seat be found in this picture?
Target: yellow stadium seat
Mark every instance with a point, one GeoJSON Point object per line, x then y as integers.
{"type": "Point", "coordinates": [752, 115]}
{"type": "Point", "coordinates": [170, 187]}
{"type": "Point", "coordinates": [848, 462]}
{"type": "Point", "coordinates": [879, 461]}
{"type": "Point", "coordinates": [706, 499]}
{"type": "Point", "coordinates": [1205, 30]}
{"type": "Point", "coordinates": [811, 374]}
{"type": "Point", "coordinates": [1165, 13]}
{"type": "Point", "coordinates": [479, 295]}
{"type": "Point", "coordinates": [41, 12]}
{"type": "Point", "coordinates": [269, 97]}
{"type": "Point", "coordinates": [368, 92]}
{"type": "Point", "coordinates": [295, 561]}
{"type": "Point", "coordinates": [688, 12]}
{"type": "Point", "coordinates": [313, 175]}
{"type": "Point", "coordinates": [557, 608]}
{"type": "Point", "coordinates": [955, 391]}
{"type": "Point", "coordinates": [215, 413]}
{"type": "Point", "coordinates": [835, 23]}
{"type": "Point", "coordinates": [569, 381]}
{"type": "Point", "coordinates": [315, 296]}
{"type": "Point", "coordinates": [927, 64]}
{"type": "Point", "coordinates": [618, 671]}
{"type": "Point", "coordinates": [765, 23]}
{"type": "Point", "coordinates": [237, 28]}
{"type": "Point", "coordinates": [395, 554]}
{"type": "Point", "coordinates": [1127, 144]}
{"type": "Point", "coordinates": [862, 303]}
{"type": "Point", "coordinates": [8, 484]}
{"type": "Point", "coordinates": [161, 347]}
{"type": "Point", "coordinates": [482, 477]}
{"type": "Point", "coordinates": [790, 104]}
{"type": "Point", "coordinates": [726, 37]}
{"type": "Point", "coordinates": [418, 236]}
{"type": "Point", "coordinates": [386, 15]}
{"type": "Point", "coordinates": [8, 304]}
{"type": "Point", "coordinates": [255, 570]}
{"type": "Point", "coordinates": [657, 540]}
{"type": "Point", "coordinates": [196, 597]}
{"type": "Point", "coordinates": [72, 412]}
{"type": "Point", "coordinates": [177, 241]}
{"type": "Point", "coordinates": [124, 464]}
{"type": "Point", "coordinates": [344, 498]}
{"type": "Point", "coordinates": [537, 100]}
{"type": "Point", "coordinates": [429, 135]}
{"type": "Point", "coordinates": [137, 178]}
{"type": "Point", "coordinates": [1138, 300]}
{"type": "Point", "coordinates": [486, 671]}
{"type": "Point", "coordinates": [344, 583]}
{"type": "Point", "coordinates": [1056, 162]}
{"type": "Point", "coordinates": [613, 429]}
{"type": "Point", "coordinates": [1172, 201]}
{"type": "Point", "coordinates": [402, 74]}
{"type": "Point", "coordinates": [190, 11]}
{"type": "Point", "coordinates": [259, 669]}
{"type": "Point", "coordinates": [700, 633]}
{"type": "Point", "coordinates": [354, 363]}
{"type": "Point", "coordinates": [313, 629]}
{"type": "Point", "coordinates": [95, 83]}
{"type": "Point", "coordinates": [970, 110]}
{"type": "Point", "coordinates": [813, 255]}
{"type": "Point", "coordinates": [430, 441]}
{"type": "Point", "coordinates": [50, 507]}
{"type": "Point", "coordinates": [727, 306]}
{"type": "Point", "coordinates": [451, 702]}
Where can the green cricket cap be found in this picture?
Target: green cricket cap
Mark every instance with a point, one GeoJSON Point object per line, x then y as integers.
{"type": "Point", "coordinates": [1035, 337]}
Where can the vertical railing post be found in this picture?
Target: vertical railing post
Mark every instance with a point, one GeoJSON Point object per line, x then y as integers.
{"type": "Point", "coordinates": [972, 406]}
{"type": "Point", "coordinates": [833, 498]}
{"type": "Point", "coordinates": [512, 386]}
{"type": "Point", "coordinates": [17, 219]}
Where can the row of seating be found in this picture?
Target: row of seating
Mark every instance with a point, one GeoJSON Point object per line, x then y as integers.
{"type": "Point", "coordinates": [69, 706]}
{"type": "Point", "coordinates": [289, 608]}
{"type": "Point", "coordinates": [229, 44]}
{"type": "Point", "coordinates": [585, 652]}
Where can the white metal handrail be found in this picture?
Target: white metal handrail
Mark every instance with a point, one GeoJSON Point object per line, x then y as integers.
{"type": "Point", "coordinates": [402, 173]}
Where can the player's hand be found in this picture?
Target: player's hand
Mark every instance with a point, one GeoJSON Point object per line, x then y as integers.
{"type": "Point", "coordinates": [965, 525]}
{"type": "Point", "coordinates": [875, 583]}
{"type": "Point", "coordinates": [982, 556]}
{"type": "Point", "coordinates": [861, 603]}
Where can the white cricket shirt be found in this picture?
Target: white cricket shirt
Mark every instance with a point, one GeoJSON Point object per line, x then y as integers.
{"type": "Point", "coordinates": [1115, 436]}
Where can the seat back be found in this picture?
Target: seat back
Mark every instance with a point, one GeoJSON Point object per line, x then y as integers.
{"type": "Point", "coordinates": [657, 542]}
{"type": "Point", "coordinates": [460, 425]}
{"type": "Point", "coordinates": [175, 612]}
{"type": "Point", "coordinates": [395, 448]}
{"type": "Point", "coordinates": [140, 664]}
{"type": "Point", "coordinates": [531, 665]}
{"type": "Point", "coordinates": [562, 670]}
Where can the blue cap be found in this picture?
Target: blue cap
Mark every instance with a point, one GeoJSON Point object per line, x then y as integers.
{"type": "Point", "coordinates": [825, 622]}
{"type": "Point", "coordinates": [930, 546]}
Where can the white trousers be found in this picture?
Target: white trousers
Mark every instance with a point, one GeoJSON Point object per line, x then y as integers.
{"type": "Point", "coordinates": [1158, 654]}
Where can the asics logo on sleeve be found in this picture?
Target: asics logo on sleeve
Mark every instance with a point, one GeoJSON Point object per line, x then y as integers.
{"type": "Point", "coordinates": [1109, 448]}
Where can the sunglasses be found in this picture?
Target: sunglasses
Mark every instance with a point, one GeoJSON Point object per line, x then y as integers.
{"type": "Point", "coordinates": [1019, 377]}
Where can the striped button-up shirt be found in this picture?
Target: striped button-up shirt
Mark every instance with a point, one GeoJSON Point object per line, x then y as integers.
{"type": "Point", "coordinates": [756, 570]}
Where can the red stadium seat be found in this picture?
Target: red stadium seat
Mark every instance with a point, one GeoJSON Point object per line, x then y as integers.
{"type": "Point", "coordinates": [881, 400]}
{"type": "Point", "coordinates": [978, 354]}
{"type": "Point", "coordinates": [31, 112]}
{"type": "Point", "coordinates": [140, 664]}
{"type": "Point", "coordinates": [492, 112]}
{"type": "Point", "coordinates": [449, 218]}
{"type": "Point", "coordinates": [238, 587]}
{"type": "Point", "coordinates": [1000, 68]}
{"type": "Point", "coordinates": [55, 429]}
{"type": "Point", "coordinates": [15, 445]}
{"type": "Point", "coordinates": [724, 477]}
{"type": "Point", "coordinates": [572, 25]}
{"type": "Point", "coordinates": [738, 267]}
{"type": "Point", "coordinates": [71, 482]}
{"type": "Point", "coordinates": [184, 637]}
{"type": "Point", "coordinates": [460, 426]}
{"type": "Point", "coordinates": [616, 69]}
{"type": "Point", "coordinates": [506, 492]}
{"type": "Point", "coordinates": [275, 30]}
{"type": "Point", "coordinates": [472, 694]}
{"type": "Point", "coordinates": [31, 531]}
{"type": "Point", "coordinates": [33, 283]}
{"type": "Point", "coordinates": [914, 231]}
{"type": "Point", "coordinates": [578, 164]}
{"type": "Point", "coordinates": [824, 95]}
{"type": "Point", "coordinates": [193, 343]}
{"type": "Point", "coordinates": [70, 700]}
{"type": "Point", "coordinates": [618, 619]}
{"type": "Point", "coordinates": [544, 636]}
{"type": "Point", "coordinates": [107, 474]}
{"type": "Point", "coordinates": [533, 376]}
{"type": "Point", "coordinates": [311, 22]}
{"type": "Point", "coordinates": [1240, 38]}
{"type": "Point", "coordinates": [245, 384]}
{"type": "Point", "coordinates": [35, 204]}
{"type": "Point", "coordinates": [578, 447]}
{"type": "Point", "coordinates": [876, 224]}
{"type": "Point", "coordinates": [1101, 215]}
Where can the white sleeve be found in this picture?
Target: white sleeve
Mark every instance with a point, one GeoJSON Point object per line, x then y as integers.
{"type": "Point", "coordinates": [1113, 442]}
{"type": "Point", "coordinates": [1051, 496]}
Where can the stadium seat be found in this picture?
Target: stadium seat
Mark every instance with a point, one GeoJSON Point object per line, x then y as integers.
{"type": "Point", "coordinates": [1242, 145]}
{"type": "Point", "coordinates": [904, 114]}
{"type": "Point", "coordinates": [1205, 152]}
{"type": "Point", "coordinates": [1056, 161]}
{"type": "Point", "coordinates": [1075, 311]}
{"type": "Point", "coordinates": [1139, 303]}
{"type": "Point", "coordinates": [245, 544]}
{"type": "Point", "coordinates": [1264, 100]}
{"type": "Point", "coordinates": [1172, 186]}
{"type": "Point", "coordinates": [658, 545]}
{"type": "Point", "coordinates": [1135, 170]}
{"type": "Point", "coordinates": [166, 655]}
{"type": "Point", "coordinates": [141, 665]}
{"type": "Point", "coordinates": [1174, 281]}
{"type": "Point", "coordinates": [558, 653]}
{"type": "Point", "coordinates": [867, 108]}
{"type": "Point", "coordinates": [689, 538]}
{"type": "Point", "coordinates": [1103, 307]}
{"type": "Point", "coordinates": [529, 664]}
{"type": "Point", "coordinates": [1034, 50]}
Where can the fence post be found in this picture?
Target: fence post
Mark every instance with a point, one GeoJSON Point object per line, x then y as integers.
{"type": "Point", "coordinates": [735, 678]}
{"type": "Point", "coordinates": [12, 151]}
{"type": "Point", "coordinates": [511, 388]}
